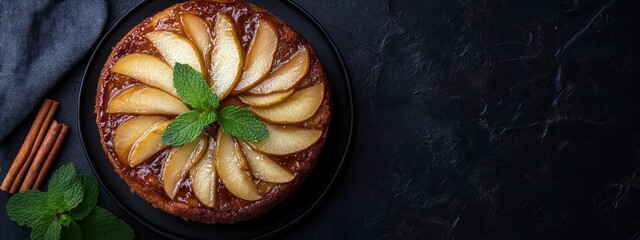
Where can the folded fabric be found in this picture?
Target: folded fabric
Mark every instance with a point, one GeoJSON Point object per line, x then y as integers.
{"type": "Point", "coordinates": [40, 41]}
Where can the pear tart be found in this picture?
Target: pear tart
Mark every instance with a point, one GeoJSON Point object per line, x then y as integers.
{"type": "Point", "coordinates": [250, 59]}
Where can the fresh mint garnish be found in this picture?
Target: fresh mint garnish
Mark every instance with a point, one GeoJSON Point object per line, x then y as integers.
{"type": "Point", "coordinates": [66, 181]}
{"type": "Point", "coordinates": [30, 207]}
{"type": "Point", "coordinates": [241, 123]}
{"type": "Point", "coordinates": [192, 88]}
{"type": "Point", "coordinates": [90, 199]}
{"type": "Point", "coordinates": [195, 92]}
{"type": "Point", "coordinates": [67, 210]}
{"type": "Point", "coordinates": [53, 231]}
{"type": "Point", "coordinates": [187, 127]}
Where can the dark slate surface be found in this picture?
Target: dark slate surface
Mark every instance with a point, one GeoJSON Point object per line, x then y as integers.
{"type": "Point", "coordinates": [474, 120]}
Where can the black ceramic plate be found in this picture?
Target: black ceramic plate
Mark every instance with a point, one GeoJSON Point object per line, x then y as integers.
{"type": "Point", "coordinates": [282, 217]}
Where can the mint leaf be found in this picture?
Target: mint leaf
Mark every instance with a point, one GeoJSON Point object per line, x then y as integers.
{"type": "Point", "coordinates": [208, 117]}
{"type": "Point", "coordinates": [241, 123]}
{"type": "Point", "coordinates": [212, 102]}
{"type": "Point", "coordinates": [186, 128]}
{"type": "Point", "coordinates": [53, 232]}
{"type": "Point", "coordinates": [71, 232]}
{"type": "Point", "coordinates": [195, 92]}
{"type": "Point", "coordinates": [46, 230]}
{"type": "Point", "coordinates": [89, 199]}
{"type": "Point", "coordinates": [56, 202]}
{"type": "Point", "coordinates": [67, 181]}
{"type": "Point", "coordinates": [40, 227]}
{"type": "Point", "coordinates": [191, 86]}
{"type": "Point", "coordinates": [102, 224]}
{"type": "Point", "coordinates": [51, 214]}
{"type": "Point", "coordinates": [28, 208]}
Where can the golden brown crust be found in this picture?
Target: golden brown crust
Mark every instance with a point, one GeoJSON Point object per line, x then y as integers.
{"type": "Point", "coordinates": [238, 210]}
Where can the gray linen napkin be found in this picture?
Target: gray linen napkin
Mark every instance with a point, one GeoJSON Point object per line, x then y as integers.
{"type": "Point", "coordinates": [40, 41]}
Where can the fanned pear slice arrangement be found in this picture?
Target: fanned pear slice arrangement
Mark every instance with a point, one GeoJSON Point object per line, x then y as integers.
{"type": "Point", "coordinates": [226, 58]}
{"type": "Point", "coordinates": [287, 76]}
{"type": "Point", "coordinates": [147, 69]}
{"type": "Point", "coordinates": [264, 168]}
{"type": "Point", "coordinates": [265, 100]}
{"type": "Point", "coordinates": [143, 100]}
{"type": "Point", "coordinates": [233, 169]}
{"type": "Point", "coordinates": [287, 140]}
{"type": "Point", "coordinates": [198, 31]}
{"type": "Point", "coordinates": [176, 49]}
{"type": "Point", "coordinates": [148, 144]}
{"type": "Point", "coordinates": [269, 91]}
{"type": "Point", "coordinates": [128, 133]}
{"type": "Point", "coordinates": [260, 56]}
{"type": "Point", "coordinates": [203, 177]}
{"type": "Point", "coordinates": [179, 163]}
{"type": "Point", "coordinates": [298, 108]}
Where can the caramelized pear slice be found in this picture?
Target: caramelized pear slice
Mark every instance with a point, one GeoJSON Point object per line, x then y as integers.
{"type": "Point", "coordinates": [148, 144]}
{"type": "Point", "coordinates": [286, 140]}
{"type": "Point", "coordinates": [203, 177]}
{"type": "Point", "coordinates": [145, 100]}
{"type": "Point", "coordinates": [298, 108]}
{"type": "Point", "coordinates": [198, 31]}
{"type": "Point", "coordinates": [179, 162]}
{"type": "Point", "coordinates": [226, 58]}
{"type": "Point", "coordinates": [259, 56]}
{"type": "Point", "coordinates": [264, 168]}
{"type": "Point", "coordinates": [147, 69]}
{"type": "Point", "coordinates": [233, 170]}
{"type": "Point", "coordinates": [176, 49]}
{"type": "Point", "coordinates": [265, 100]}
{"type": "Point", "coordinates": [129, 132]}
{"type": "Point", "coordinates": [287, 76]}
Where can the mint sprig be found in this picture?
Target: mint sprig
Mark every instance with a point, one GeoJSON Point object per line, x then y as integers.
{"type": "Point", "coordinates": [187, 127]}
{"type": "Point", "coordinates": [67, 210]}
{"type": "Point", "coordinates": [241, 122]}
{"type": "Point", "coordinates": [192, 88]}
{"type": "Point", "coordinates": [195, 92]}
{"type": "Point", "coordinates": [90, 199]}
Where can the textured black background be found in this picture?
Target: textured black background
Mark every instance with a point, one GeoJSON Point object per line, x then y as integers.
{"type": "Point", "coordinates": [474, 120]}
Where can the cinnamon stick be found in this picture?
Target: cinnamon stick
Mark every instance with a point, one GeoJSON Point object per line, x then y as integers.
{"type": "Point", "coordinates": [51, 157]}
{"type": "Point", "coordinates": [47, 144]}
{"type": "Point", "coordinates": [39, 138]}
{"type": "Point", "coordinates": [27, 145]}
